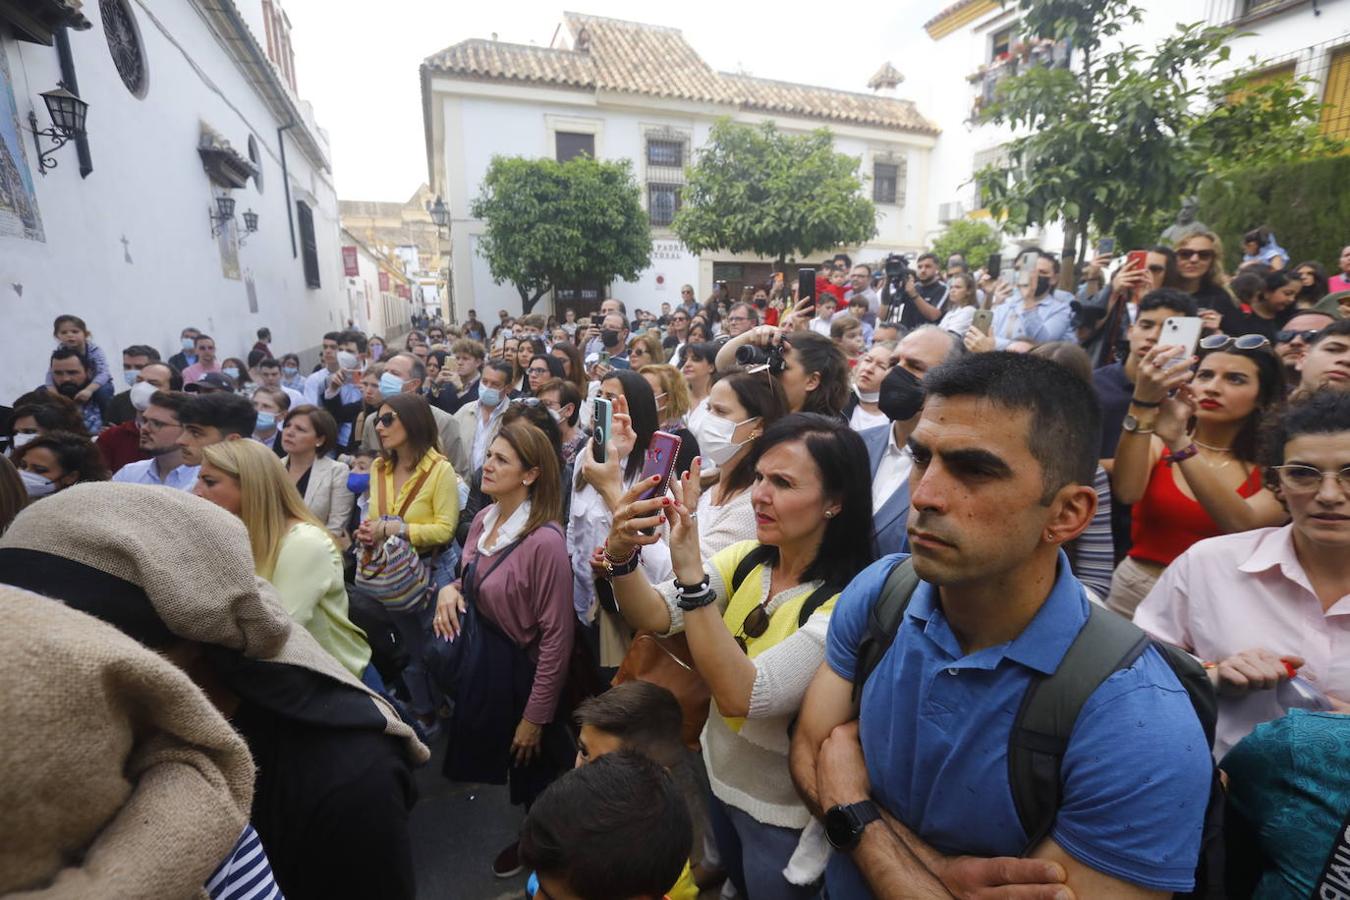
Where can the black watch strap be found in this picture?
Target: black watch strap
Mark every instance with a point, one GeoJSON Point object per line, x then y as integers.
{"type": "Point", "coordinates": [1146, 404]}
{"type": "Point", "coordinates": [844, 825]}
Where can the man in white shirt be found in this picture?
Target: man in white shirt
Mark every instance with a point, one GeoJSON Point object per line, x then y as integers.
{"type": "Point", "coordinates": [269, 376]}
{"type": "Point", "coordinates": [315, 382]}
{"type": "Point", "coordinates": [480, 418]}
{"type": "Point", "coordinates": [924, 348]}
{"type": "Point", "coordinates": [860, 285]}
{"type": "Point", "coordinates": [160, 428]}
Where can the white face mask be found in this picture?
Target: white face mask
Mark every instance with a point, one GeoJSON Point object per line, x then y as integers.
{"type": "Point", "coordinates": [556, 414]}
{"type": "Point", "coordinates": [21, 439]}
{"type": "Point", "coordinates": [867, 396]}
{"type": "Point", "coordinates": [36, 485]}
{"type": "Point", "coordinates": [715, 441]}
{"type": "Point", "coordinates": [141, 393]}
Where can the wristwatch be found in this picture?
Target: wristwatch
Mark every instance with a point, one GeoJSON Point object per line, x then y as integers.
{"type": "Point", "coordinates": [844, 825]}
{"type": "Point", "coordinates": [1134, 426]}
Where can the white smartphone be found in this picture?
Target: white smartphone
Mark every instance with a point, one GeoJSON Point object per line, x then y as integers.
{"type": "Point", "coordinates": [1181, 331]}
{"type": "Point", "coordinates": [1026, 268]}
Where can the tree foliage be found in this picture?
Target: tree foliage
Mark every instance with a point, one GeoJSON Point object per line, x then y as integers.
{"type": "Point", "coordinates": [760, 191]}
{"type": "Point", "coordinates": [973, 240]}
{"type": "Point", "coordinates": [1111, 143]}
{"type": "Point", "coordinates": [551, 223]}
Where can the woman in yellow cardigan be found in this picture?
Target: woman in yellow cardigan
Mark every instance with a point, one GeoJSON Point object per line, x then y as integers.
{"type": "Point", "coordinates": [414, 494]}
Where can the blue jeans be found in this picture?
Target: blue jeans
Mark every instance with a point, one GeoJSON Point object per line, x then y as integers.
{"type": "Point", "coordinates": [754, 854]}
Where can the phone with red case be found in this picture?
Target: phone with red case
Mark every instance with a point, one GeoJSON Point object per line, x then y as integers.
{"type": "Point", "coordinates": [660, 460]}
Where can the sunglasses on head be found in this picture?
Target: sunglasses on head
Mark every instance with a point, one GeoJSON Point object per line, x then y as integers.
{"type": "Point", "coordinates": [528, 402]}
{"type": "Point", "coordinates": [386, 419]}
{"type": "Point", "coordinates": [1202, 255]}
{"type": "Point", "coordinates": [1245, 342]}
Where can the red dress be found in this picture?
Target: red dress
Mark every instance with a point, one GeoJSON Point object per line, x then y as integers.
{"type": "Point", "coordinates": [1165, 522]}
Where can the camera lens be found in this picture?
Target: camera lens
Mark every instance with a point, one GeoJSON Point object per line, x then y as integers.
{"type": "Point", "coordinates": [750, 355]}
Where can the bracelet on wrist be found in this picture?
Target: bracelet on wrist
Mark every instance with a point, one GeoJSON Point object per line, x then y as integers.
{"type": "Point", "coordinates": [1146, 404]}
{"type": "Point", "coordinates": [690, 589]}
{"type": "Point", "coordinates": [1172, 457]}
{"type": "Point", "coordinates": [689, 602]}
{"type": "Point", "coordinates": [617, 569]}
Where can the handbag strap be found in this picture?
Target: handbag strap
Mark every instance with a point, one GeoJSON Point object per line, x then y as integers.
{"type": "Point", "coordinates": [412, 492]}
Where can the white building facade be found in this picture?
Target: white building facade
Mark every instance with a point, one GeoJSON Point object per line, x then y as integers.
{"type": "Point", "coordinates": [189, 101]}
{"type": "Point", "coordinates": [597, 91]}
{"type": "Point", "coordinates": [971, 44]}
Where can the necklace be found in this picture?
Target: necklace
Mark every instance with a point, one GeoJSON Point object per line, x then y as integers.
{"type": "Point", "coordinates": [1209, 447]}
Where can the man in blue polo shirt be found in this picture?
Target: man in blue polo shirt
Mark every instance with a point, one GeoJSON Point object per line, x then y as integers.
{"type": "Point", "coordinates": [1004, 455]}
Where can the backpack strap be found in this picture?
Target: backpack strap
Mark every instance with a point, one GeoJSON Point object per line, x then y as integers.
{"type": "Point", "coordinates": [883, 621]}
{"type": "Point", "coordinates": [1045, 719]}
{"type": "Point", "coordinates": [760, 555]}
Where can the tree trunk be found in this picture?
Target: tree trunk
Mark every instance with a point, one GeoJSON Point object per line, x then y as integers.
{"type": "Point", "coordinates": [1069, 254]}
{"type": "Point", "coordinates": [527, 303]}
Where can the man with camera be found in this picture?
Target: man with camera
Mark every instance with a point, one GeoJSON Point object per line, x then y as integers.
{"type": "Point", "coordinates": [915, 297]}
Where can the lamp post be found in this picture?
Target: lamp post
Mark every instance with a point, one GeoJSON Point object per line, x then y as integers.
{"type": "Point", "coordinates": [68, 113]}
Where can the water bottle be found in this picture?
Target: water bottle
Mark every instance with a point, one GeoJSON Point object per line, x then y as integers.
{"type": "Point", "coordinates": [1300, 693]}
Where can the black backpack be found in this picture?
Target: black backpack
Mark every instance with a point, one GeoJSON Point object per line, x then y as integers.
{"type": "Point", "coordinates": [1045, 718]}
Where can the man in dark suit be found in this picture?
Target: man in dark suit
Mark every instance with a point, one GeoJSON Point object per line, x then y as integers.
{"type": "Point", "coordinates": [922, 349]}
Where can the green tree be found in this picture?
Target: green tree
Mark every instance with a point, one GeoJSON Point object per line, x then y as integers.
{"type": "Point", "coordinates": [1111, 143]}
{"type": "Point", "coordinates": [551, 223]}
{"type": "Point", "coordinates": [760, 191]}
{"type": "Point", "coordinates": [973, 240]}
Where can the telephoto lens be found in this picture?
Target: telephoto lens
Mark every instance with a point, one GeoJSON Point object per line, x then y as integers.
{"type": "Point", "coordinates": [750, 355]}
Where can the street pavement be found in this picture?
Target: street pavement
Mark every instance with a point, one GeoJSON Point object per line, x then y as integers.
{"type": "Point", "coordinates": [457, 830]}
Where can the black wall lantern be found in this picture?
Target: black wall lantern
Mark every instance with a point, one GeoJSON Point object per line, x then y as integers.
{"type": "Point", "coordinates": [222, 214]}
{"type": "Point", "coordinates": [68, 113]}
{"type": "Point", "coordinates": [250, 226]}
{"type": "Point", "coordinates": [440, 214]}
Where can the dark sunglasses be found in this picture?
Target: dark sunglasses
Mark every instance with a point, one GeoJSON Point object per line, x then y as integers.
{"type": "Point", "coordinates": [1245, 342]}
{"type": "Point", "coordinates": [755, 624]}
{"type": "Point", "coordinates": [1203, 255]}
{"type": "Point", "coordinates": [386, 419]}
{"type": "Point", "coordinates": [1284, 337]}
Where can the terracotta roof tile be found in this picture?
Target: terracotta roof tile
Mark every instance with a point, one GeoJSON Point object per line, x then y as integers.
{"type": "Point", "coordinates": [630, 57]}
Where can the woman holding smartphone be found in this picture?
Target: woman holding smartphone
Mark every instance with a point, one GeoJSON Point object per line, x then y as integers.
{"type": "Point", "coordinates": [755, 616]}
{"type": "Point", "coordinates": [1189, 483]}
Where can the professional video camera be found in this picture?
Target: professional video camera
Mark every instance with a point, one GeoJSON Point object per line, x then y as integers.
{"type": "Point", "coordinates": [751, 355]}
{"type": "Point", "coordinates": [897, 270]}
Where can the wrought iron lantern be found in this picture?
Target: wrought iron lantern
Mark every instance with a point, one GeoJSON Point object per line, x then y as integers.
{"type": "Point", "coordinates": [68, 113]}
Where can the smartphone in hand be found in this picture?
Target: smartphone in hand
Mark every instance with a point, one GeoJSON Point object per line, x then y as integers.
{"type": "Point", "coordinates": [660, 460]}
{"type": "Point", "coordinates": [1184, 332]}
{"type": "Point", "coordinates": [1106, 246]}
{"type": "Point", "coordinates": [604, 429]}
{"type": "Point", "coordinates": [994, 266]}
{"type": "Point", "coordinates": [984, 320]}
{"type": "Point", "coordinates": [806, 284]}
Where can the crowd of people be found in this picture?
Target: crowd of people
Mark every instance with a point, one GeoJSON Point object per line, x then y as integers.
{"type": "Point", "coordinates": [906, 581]}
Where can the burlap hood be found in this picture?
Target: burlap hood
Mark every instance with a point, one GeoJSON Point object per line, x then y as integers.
{"type": "Point", "coordinates": [118, 778]}
{"type": "Point", "coordinates": [193, 561]}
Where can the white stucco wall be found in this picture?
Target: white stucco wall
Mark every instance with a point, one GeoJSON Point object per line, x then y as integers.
{"type": "Point", "coordinates": [149, 188]}
{"type": "Point", "coordinates": [486, 120]}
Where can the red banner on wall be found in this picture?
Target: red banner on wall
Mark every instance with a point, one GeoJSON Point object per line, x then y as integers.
{"type": "Point", "coordinates": [350, 268]}
{"type": "Point", "coordinates": [384, 282]}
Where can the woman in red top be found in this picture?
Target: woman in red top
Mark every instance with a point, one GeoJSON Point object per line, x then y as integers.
{"type": "Point", "coordinates": [1186, 459]}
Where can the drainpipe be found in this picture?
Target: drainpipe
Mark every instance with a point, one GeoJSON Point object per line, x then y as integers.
{"type": "Point", "coordinates": [286, 181]}
{"type": "Point", "coordinates": [67, 61]}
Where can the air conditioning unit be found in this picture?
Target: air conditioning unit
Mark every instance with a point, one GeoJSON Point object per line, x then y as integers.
{"type": "Point", "coordinates": [950, 212]}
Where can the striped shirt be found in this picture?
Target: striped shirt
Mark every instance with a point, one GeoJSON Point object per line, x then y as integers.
{"type": "Point", "coordinates": [245, 874]}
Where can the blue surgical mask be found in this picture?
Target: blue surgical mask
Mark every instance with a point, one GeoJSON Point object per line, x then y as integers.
{"type": "Point", "coordinates": [129, 376]}
{"type": "Point", "coordinates": [290, 371]}
{"type": "Point", "coordinates": [358, 482]}
{"type": "Point", "coordinates": [232, 371]}
{"type": "Point", "coordinates": [188, 344]}
{"type": "Point", "coordinates": [36, 485]}
{"type": "Point", "coordinates": [266, 422]}
{"type": "Point", "coordinates": [489, 397]}
{"type": "Point", "coordinates": [390, 384]}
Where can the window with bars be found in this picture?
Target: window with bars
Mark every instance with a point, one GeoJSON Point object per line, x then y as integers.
{"type": "Point", "coordinates": [1000, 43]}
{"type": "Point", "coordinates": [1336, 96]}
{"type": "Point", "coordinates": [668, 154]}
{"type": "Point", "coordinates": [309, 245]}
{"type": "Point", "coordinates": [884, 179]}
{"type": "Point", "coordinates": [570, 144]}
{"type": "Point", "coordinates": [663, 201]}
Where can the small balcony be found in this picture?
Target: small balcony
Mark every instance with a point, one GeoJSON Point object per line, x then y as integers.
{"type": "Point", "coordinates": [1017, 59]}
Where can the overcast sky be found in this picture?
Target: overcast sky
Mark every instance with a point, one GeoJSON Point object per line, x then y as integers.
{"type": "Point", "coordinates": [360, 69]}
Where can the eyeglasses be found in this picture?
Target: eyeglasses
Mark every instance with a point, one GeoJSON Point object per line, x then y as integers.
{"type": "Point", "coordinates": [1306, 479]}
{"type": "Point", "coordinates": [533, 371]}
{"type": "Point", "coordinates": [755, 624]}
{"type": "Point", "coordinates": [1246, 342]}
{"type": "Point", "coordinates": [738, 318]}
{"type": "Point", "coordinates": [156, 425]}
{"type": "Point", "coordinates": [1202, 255]}
{"type": "Point", "coordinates": [386, 419]}
{"type": "Point", "coordinates": [1285, 337]}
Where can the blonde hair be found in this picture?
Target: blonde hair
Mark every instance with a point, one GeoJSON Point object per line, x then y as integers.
{"type": "Point", "coordinates": [653, 343]}
{"type": "Point", "coordinates": [1216, 276]}
{"type": "Point", "coordinates": [675, 388]}
{"type": "Point", "coordinates": [269, 504]}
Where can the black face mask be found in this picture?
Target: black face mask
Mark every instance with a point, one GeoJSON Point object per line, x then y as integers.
{"type": "Point", "coordinates": [69, 389]}
{"type": "Point", "coordinates": [1042, 285]}
{"type": "Point", "coordinates": [609, 338]}
{"type": "Point", "coordinates": [901, 395]}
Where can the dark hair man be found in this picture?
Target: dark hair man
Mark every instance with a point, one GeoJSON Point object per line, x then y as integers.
{"type": "Point", "coordinates": [1004, 457]}
{"type": "Point", "coordinates": [1327, 362]}
{"type": "Point", "coordinates": [134, 359]}
{"type": "Point", "coordinates": [71, 373]}
{"type": "Point", "coordinates": [212, 419]}
{"type": "Point", "coordinates": [481, 418]}
{"type": "Point", "coordinates": [315, 381]}
{"type": "Point", "coordinates": [615, 828]}
{"type": "Point", "coordinates": [921, 299]}
{"type": "Point", "coordinates": [1292, 341]}
{"type": "Point", "coordinates": [187, 353]}
{"type": "Point", "coordinates": [741, 318]}
{"type": "Point", "coordinates": [1034, 313]}
{"type": "Point", "coordinates": [161, 427]}
{"type": "Point", "coordinates": [206, 359]}
{"type": "Point", "coordinates": [405, 373]}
